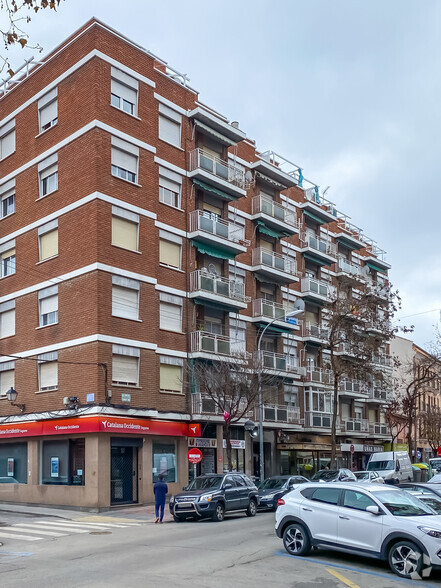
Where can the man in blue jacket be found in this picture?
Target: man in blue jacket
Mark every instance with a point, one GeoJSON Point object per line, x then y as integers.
{"type": "Point", "coordinates": [160, 489]}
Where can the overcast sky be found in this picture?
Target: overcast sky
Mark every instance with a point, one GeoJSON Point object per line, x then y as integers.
{"type": "Point", "coordinates": [348, 89]}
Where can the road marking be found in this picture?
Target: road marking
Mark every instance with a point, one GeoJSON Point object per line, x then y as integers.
{"type": "Point", "coordinates": [29, 527]}
{"type": "Point", "coordinates": [92, 525]}
{"type": "Point", "coordinates": [20, 537]}
{"type": "Point", "coordinates": [342, 578]}
{"type": "Point", "coordinates": [61, 527]}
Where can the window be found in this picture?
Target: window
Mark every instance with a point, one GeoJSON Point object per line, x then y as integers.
{"type": "Point", "coordinates": [328, 495]}
{"type": "Point", "coordinates": [48, 371]}
{"type": "Point", "coordinates": [170, 125]}
{"type": "Point", "coordinates": [14, 462]}
{"type": "Point", "coordinates": [63, 462]}
{"type": "Point", "coordinates": [357, 500]}
{"type": "Point", "coordinates": [7, 319]}
{"type": "Point", "coordinates": [7, 198]}
{"type": "Point", "coordinates": [48, 240]}
{"type": "Point", "coordinates": [125, 298]}
{"type": "Point", "coordinates": [164, 462]}
{"type": "Point", "coordinates": [170, 184]}
{"type": "Point", "coordinates": [125, 228]}
{"type": "Point", "coordinates": [238, 336]}
{"type": "Point", "coordinates": [125, 365]}
{"type": "Point", "coordinates": [170, 374]}
{"type": "Point", "coordinates": [7, 372]}
{"type": "Point", "coordinates": [48, 306]}
{"type": "Point", "coordinates": [170, 312]}
{"type": "Point", "coordinates": [7, 257]}
{"type": "Point", "coordinates": [123, 91]}
{"type": "Point", "coordinates": [48, 111]}
{"type": "Point", "coordinates": [170, 247]}
{"type": "Point", "coordinates": [7, 139]}
{"type": "Point", "coordinates": [124, 160]}
{"type": "Point", "coordinates": [48, 175]}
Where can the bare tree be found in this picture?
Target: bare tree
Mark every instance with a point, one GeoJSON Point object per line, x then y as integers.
{"type": "Point", "coordinates": [431, 425]}
{"type": "Point", "coordinates": [396, 421]}
{"type": "Point", "coordinates": [17, 15]}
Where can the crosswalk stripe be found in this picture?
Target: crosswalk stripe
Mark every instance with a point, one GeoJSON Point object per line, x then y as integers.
{"type": "Point", "coordinates": [21, 537]}
{"type": "Point", "coordinates": [63, 528]}
{"type": "Point", "coordinates": [71, 526]}
{"type": "Point", "coordinates": [29, 527]}
{"type": "Point", "coordinates": [94, 525]}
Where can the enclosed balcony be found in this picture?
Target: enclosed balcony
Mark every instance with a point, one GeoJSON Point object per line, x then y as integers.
{"type": "Point", "coordinates": [319, 251]}
{"type": "Point", "coordinates": [318, 420]}
{"type": "Point", "coordinates": [315, 289]}
{"type": "Point", "coordinates": [379, 429]}
{"type": "Point", "coordinates": [280, 413]}
{"type": "Point", "coordinates": [274, 215]}
{"type": "Point", "coordinates": [216, 175]}
{"type": "Point", "coordinates": [207, 345]}
{"type": "Point", "coordinates": [354, 426]}
{"type": "Point", "coordinates": [315, 333]}
{"type": "Point", "coordinates": [273, 266]}
{"type": "Point", "coordinates": [350, 271]}
{"type": "Point", "coordinates": [214, 289]}
{"type": "Point", "coordinates": [279, 362]}
{"type": "Point", "coordinates": [353, 388]}
{"type": "Point", "coordinates": [207, 228]}
{"type": "Point", "coordinates": [267, 311]}
{"type": "Point", "coordinates": [319, 376]}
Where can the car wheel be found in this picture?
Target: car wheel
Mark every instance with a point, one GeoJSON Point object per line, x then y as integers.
{"type": "Point", "coordinates": [406, 560]}
{"type": "Point", "coordinates": [178, 519]}
{"type": "Point", "coordinates": [296, 540]}
{"type": "Point", "coordinates": [252, 508]}
{"type": "Point", "coordinates": [219, 512]}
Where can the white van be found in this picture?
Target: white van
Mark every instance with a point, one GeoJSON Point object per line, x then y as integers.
{"type": "Point", "coordinates": [392, 466]}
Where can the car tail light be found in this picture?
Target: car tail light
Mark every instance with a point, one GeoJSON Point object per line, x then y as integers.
{"type": "Point", "coordinates": [280, 502]}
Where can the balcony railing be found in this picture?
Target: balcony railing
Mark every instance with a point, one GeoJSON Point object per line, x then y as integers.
{"type": "Point", "coordinates": [205, 405]}
{"type": "Point", "coordinates": [346, 348]}
{"type": "Point", "coordinates": [355, 425]}
{"type": "Point", "coordinates": [272, 260]}
{"type": "Point", "coordinates": [313, 195]}
{"type": "Point", "coordinates": [204, 342]}
{"type": "Point", "coordinates": [319, 419]}
{"type": "Point", "coordinates": [221, 169]}
{"type": "Point", "coordinates": [202, 280]}
{"type": "Point", "coordinates": [380, 394]}
{"type": "Point", "coordinates": [262, 205]}
{"type": "Point", "coordinates": [379, 429]}
{"type": "Point", "coordinates": [200, 220]}
{"type": "Point", "coordinates": [268, 309]}
{"type": "Point", "coordinates": [279, 362]}
{"type": "Point", "coordinates": [320, 376]}
{"type": "Point", "coordinates": [315, 330]}
{"type": "Point", "coordinates": [318, 287]}
{"type": "Point", "coordinates": [349, 386]}
{"type": "Point", "coordinates": [383, 360]}
{"type": "Point", "coordinates": [279, 413]}
{"type": "Point", "coordinates": [324, 246]}
{"type": "Point", "coordinates": [379, 290]}
{"type": "Point", "coordinates": [350, 268]}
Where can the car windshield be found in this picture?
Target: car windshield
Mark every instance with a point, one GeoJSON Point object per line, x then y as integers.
{"type": "Point", "coordinates": [272, 484]}
{"type": "Point", "coordinates": [362, 475]}
{"type": "Point", "coordinates": [326, 475]}
{"type": "Point", "coordinates": [381, 465]}
{"type": "Point", "coordinates": [435, 463]}
{"type": "Point", "coordinates": [403, 504]}
{"type": "Point", "coordinates": [205, 483]}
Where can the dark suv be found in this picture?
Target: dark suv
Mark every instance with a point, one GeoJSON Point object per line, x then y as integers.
{"type": "Point", "coordinates": [211, 495]}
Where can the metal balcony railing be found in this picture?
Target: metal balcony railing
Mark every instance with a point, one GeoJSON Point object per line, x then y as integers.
{"type": "Point", "coordinates": [345, 347]}
{"type": "Point", "coordinates": [221, 169]}
{"type": "Point", "coordinates": [279, 413]}
{"type": "Point", "coordinates": [315, 330]}
{"type": "Point", "coordinates": [201, 404]}
{"type": "Point", "coordinates": [378, 429]}
{"type": "Point", "coordinates": [313, 195]}
{"type": "Point", "coordinates": [380, 394]}
{"type": "Point", "coordinates": [280, 362]}
{"type": "Point", "coordinates": [355, 425]}
{"type": "Point", "coordinates": [202, 341]}
{"type": "Point", "coordinates": [380, 290]}
{"type": "Point", "coordinates": [268, 309]}
{"type": "Point", "coordinates": [262, 205]}
{"type": "Point", "coordinates": [349, 268]}
{"type": "Point", "coordinates": [320, 376]}
{"type": "Point", "coordinates": [353, 387]}
{"type": "Point", "coordinates": [273, 260]}
{"type": "Point", "coordinates": [315, 286]}
{"type": "Point", "coordinates": [202, 280]}
{"type": "Point", "coordinates": [324, 246]}
{"type": "Point", "coordinates": [319, 419]}
{"type": "Point", "coordinates": [201, 220]}
{"type": "Point", "coordinates": [383, 359]}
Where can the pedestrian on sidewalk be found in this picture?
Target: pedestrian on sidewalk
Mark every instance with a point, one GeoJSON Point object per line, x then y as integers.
{"type": "Point", "coordinates": [160, 489]}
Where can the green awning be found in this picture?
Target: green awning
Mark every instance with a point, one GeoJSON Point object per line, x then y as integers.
{"type": "Point", "coordinates": [221, 138]}
{"type": "Point", "coordinates": [318, 260]}
{"type": "Point", "coordinates": [213, 251]}
{"type": "Point", "coordinates": [274, 328]}
{"type": "Point", "coordinates": [314, 217]}
{"type": "Point", "coordinates": [213, 190]}
{"type": "Point", "coordinates": [376, 267]}
{"type": "Point", "coordinates": [347, 243]}
{"type": "Point", "coordinates": [267, 231]}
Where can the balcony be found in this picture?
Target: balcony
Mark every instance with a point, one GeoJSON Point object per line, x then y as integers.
{"type": "Point", "coordinates": [315, 333]}
{"type": "Point", "coordinates": [280, 413]}
{"type": "Point", "coordinates": [383, 360]}
{"type": "Point", "coordinates": [350, 271]}
{"type": "Point", "coordinates": [318, 207]}
{"type": "Point", "coordinates": [379, 429]}
{"type": "Point", "coordinates": [318, 420]}
{"type": "Point", "coordinates": [277, 169]}
{"type": "Point", "coordinates": [201, 404]}
{"type": "Point", "coordinates": [278, 268]}
{"type": "Point", "coordinates": [319, 376]}
{"type": "Point", "coordinates": [380, 291]}
{"type": "Point", "coordinates": [214, 123]}
{"type": "Point", "coordinates": [317, 290]}
{"type": "Point", "coordinates": [215, 175]}
{"type": "Point", "coordinates": [378, 394]}
{"type": "Point", "coordinates": [354, 426]}
{"type": "Point", "coordinates": [278, 362]}
{"type": "Point", "coordinates": [205, 345]}
{"type": "Point", "coordinates": [274, 215]}
{"type": "Point", "coordinates": [345, 348]}
{"type": "Point", "coordinates": [229, 294]}
{"type": "Point", "coordinates": [265, 311]}
{"type": "Point", "coordinates": [211, 230]}
{"type": "Point", "coordinates": [348, 234]}
{"type": "Point", "coordinates": [319, 251]}
{"type": "Point", "coordinates": [353, 388]}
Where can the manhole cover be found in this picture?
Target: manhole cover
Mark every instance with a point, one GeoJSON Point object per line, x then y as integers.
{"type": "Point", "coordinates": [100, 533]}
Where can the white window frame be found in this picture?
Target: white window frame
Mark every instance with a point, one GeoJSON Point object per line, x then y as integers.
{"type": "Point", "coordinates": [118, 306]}
{"type": "Point", "coordinates": [121, 87]}
{"type": "Point", "coordinates": [174, 361]}
{"type": "Point", "coordinates": [6, 368]}
{"type": "Point", "coordinates": [44, 230]}
{"type": "Point", "coordinates": [120, 148]}
{"type": "Point", "coordinates": [44, 104]}
{"type": "Point", "coordinates": [49, 318]}
{"type": "Point", "coordinates": [7, 192]}
{"type": "Point", "coordinates": [126, 351]}
{"type": "Point", "coordinates": [7, 267]}
{"type": "Point", "coordinates": [47, 358]}
{"type": "Point", "coordinates": [130, 217]}
{"type": "Point", "coordinates": [165, 302]}
{"type": "Point", "coordinates": [170, 188]}
{"type": "Point", "coordinates": [7, 307]}
{"type": "Point", "coordinates": [48, 175]}
{"type": "Point", "coordinates": [171, 238]}
{"type": "Point", "coordinates": [170, 116]}
{"type": "Point", "coordinates": [7, 130]}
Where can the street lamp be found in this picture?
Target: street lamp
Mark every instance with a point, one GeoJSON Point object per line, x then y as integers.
{"type": "Point", "coordinates": [300, 308]}
{"type": "Point", "coordinates": [11, 395]}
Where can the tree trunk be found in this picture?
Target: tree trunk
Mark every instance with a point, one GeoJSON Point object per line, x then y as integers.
{"type": "Point", "coordinates": [333, 464]}
{"type": "Point", "coordinates": [227, 437]}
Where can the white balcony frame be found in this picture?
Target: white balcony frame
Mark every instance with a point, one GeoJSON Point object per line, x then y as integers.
{"type": "Point", "coordinates": [223, 174]}
{"type": "Point", "coordinates": [280, 267]}
{"type": "Point", "coordinates": [274, 213]}
{"type": "Point", "coordinates": [217, 288]}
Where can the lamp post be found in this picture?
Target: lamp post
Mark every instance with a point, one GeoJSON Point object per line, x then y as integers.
{"type": "Point", "coordinates": [11, 395]}
{"type": "Point", "coordinates": [259, 383]}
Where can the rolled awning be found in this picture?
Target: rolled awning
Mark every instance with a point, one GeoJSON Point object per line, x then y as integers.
{"type": "Point", "coordinates": [213, 251]}
{"type": "Point", "coordinates": [375, 267]}
{"type": "Point", "coordinates": [221, 138]}
{"type": "Point", "coordinates": [314, 217]}
{"type": "Point", "coordinates": [213, 190]}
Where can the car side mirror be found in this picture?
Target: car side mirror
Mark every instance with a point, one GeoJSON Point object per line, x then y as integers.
{"type": "Point", "coordinates": [397, 468]}
{"type": "Point", "coordinates": [373, 510]}
{"type": "Point", "coordinates": [228, 485]}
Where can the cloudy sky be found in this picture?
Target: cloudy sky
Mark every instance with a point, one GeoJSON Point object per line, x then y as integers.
{"type": "Point", "coordinates": [348, 89]}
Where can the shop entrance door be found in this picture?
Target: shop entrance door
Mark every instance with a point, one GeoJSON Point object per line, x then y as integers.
{"type": "Point", "coordinates": [124, 467]}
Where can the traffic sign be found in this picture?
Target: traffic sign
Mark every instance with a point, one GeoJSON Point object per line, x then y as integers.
{"type": "Point", "coordinates": [194, 455]}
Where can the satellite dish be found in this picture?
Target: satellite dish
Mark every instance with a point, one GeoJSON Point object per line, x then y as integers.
{"type": "Point", "coordinates": [299, 305]}
{"type": "Point", "coordinates": [212, 269]}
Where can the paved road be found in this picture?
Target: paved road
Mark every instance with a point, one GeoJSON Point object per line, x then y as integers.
{"type": "Point", "coordinates": [239, 552]}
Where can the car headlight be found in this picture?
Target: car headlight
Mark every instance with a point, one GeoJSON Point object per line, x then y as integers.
{"type": "Point", "coordinates": [269, 496]}
{"type": "Point", "coordinates": [431, 532]}
{"type": "Point", "coordinates": [206, 498]}
{"type": "Point", "coordinates": [172, 499]}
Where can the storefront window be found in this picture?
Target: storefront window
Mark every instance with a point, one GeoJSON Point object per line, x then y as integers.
{"type": "Point", "coordinates": [63, 462]}
{"type": "Point", "coordinates": [237, 460]}
{"type": "Point", "coordinates": [164, 462]}
{"type": "Point", "coordinates": [13, 463]}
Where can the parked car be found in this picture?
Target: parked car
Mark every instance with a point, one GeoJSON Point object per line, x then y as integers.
{"type": "Point", "coordinates": [212, 495]}
{"type": "Point", "coordinates": [271, 489]}
{"type": "Point", "coordinates": [340, 475]}
{"type": "Point", "coordinates": [430, 494]}
{"type": "Point", "coordinates": [393, 466]}
{"type": "Point", "coordinates": [369, 477]}
{"type": "Point", "coordinates": [435, 463]}
{"type": "Point", "coordinates": [435, 480]}
{"type": "Point", "coordinates": [373, 520]}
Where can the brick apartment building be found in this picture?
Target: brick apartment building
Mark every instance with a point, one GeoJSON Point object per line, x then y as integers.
{"type": "Point", "coordinates": [141, 230]}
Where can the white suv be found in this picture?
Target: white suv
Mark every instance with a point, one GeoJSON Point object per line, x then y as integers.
{"type": "Point", "coordinates": [368, 519]}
